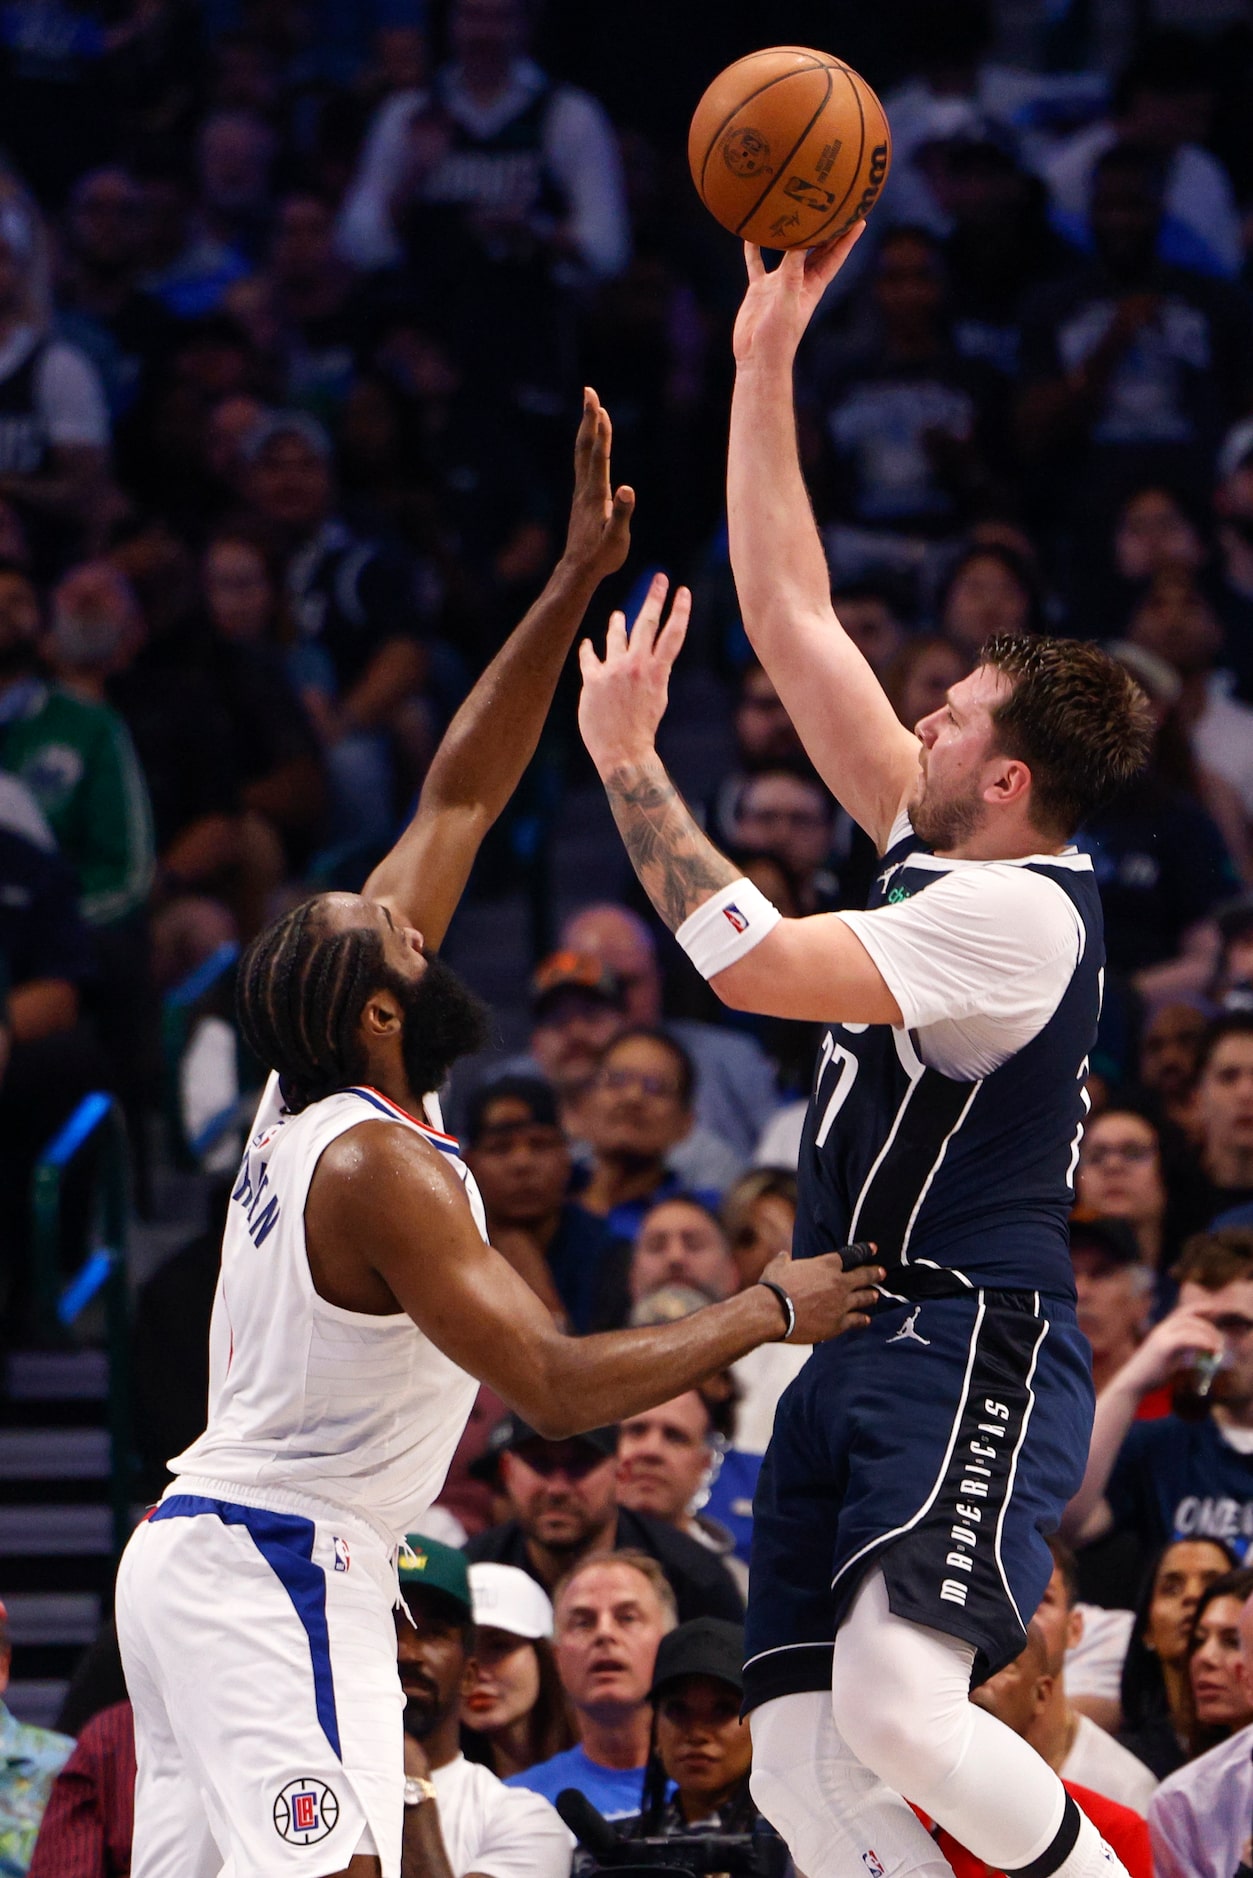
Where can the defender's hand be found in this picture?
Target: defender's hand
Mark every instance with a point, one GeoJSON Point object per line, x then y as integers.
{"type": "Point", "coordinates": [624, 694]}
{"type": "Point", "coordinates": [827, 1299]}
{"type": "Point", "coordinates": [599, 534]}
{"type": "Point", "coordinates": [780, 304]}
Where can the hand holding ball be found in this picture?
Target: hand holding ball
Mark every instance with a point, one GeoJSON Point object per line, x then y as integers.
{"type": "Point", "coordinates": [788, 148]}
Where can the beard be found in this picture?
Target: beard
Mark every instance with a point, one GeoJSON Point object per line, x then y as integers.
{"type": "Point", "coordinates": [944, 822]}
{"type": "Point", "coordinates": [443, 1020]}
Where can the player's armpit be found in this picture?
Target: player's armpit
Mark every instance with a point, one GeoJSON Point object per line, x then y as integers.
{"type": "Point", "coordinates": [814, 969]}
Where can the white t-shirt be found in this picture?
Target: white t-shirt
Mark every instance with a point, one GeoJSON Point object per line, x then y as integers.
{"type": "Point", "coordinates": [978, 962]}
{"type": "Point", "coordinates": [507, 1832]}
{"type": "Point", "coordinates": [1097, 1761]}
{"type": "Point", "coordinates": [1094, 1664]}
{"type": "Point", "coordinates": [68, 392]}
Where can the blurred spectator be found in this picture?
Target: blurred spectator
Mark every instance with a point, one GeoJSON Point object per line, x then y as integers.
{"type": "Point", "coordinates": [1221, 1699]}
{"type": "Point", "coordinates": [54, 421]}
{"type": "Point", "coordinates": [235, 152]}
{"type": "Point", "coordinates": [610, 1614]}
{"type": "Point", "coordinates": [519, 1156]}
{"type": "Point", "coordinates": [513, 1711]}
{"type": "Point", "coordinates": [472, 1822]}
{"type": "Point", "coordinates": [640, 1107]}
{"type": "Point", "coordinates": [578, 1009]}
{"type": "Point", "coordinates": [1233, 980]}
{"type": "Point", "coordinates": [1123, 1175]}
{"type": "Point", "coordinates": [358, 660]}
{"type": "Point", "coordinates": [870, 614]}
{"type": "Point", "coordinates": [77, 759]}
{"type": "Point", "coordinates": [100, 305]}
{"type": "Point", "coordinates": [314, 300]}
{"type": "Point", "coordinates": [790, 817]}
{"type": "Point", "coordinates": [1114, 1290]}
{"type": "Point", "coordinates": [186, 268]}
{"type": "Point", "coordinates": [1154, 535]}
{"type": "Point", "coordinates": [990, 590]}
{"type": "Point", "coordinates": [1233, 513]}
{"type": "Point", "coordinates": [1131, 368]}
{"type": "Point", "coordinates": [1068, 1740]}
{"type": "Point", "coordinates": [905, 423]}
{"type": "Point", "coordinates": [734, 1086]}
{"type": "Point", "coordinates": [667, 1459]}
{"type": "Point", "coordinates": [1199, 1818]}
{"type": "Point", "coordinates": [680, 1242]}
{"type": "Point", "coordinates": [30, 1759]}
{"type": "Point", "coordinates": [758, 1215]}
{"type": "Point", "coordinates": [1021, 1695]}
{"type": "Point", "coordinates": [918, 679]}
{"type": "Point", "coordinates": [696, 1780]}
{"type": "Point", "coordinates": [1156, 1688]}
{"type": "Point", "coordinates": [765, 738]}
{"type": "Point", "coordinates": [1164, 101]}
{"type": "Point", "coordinates": [1223, 1111]}
{"type": "Point", "coordinates": [89, 1820]}
{"type": "Point", "coordinates": [1185, 1474]}
{"type": "Point", "coordinates": [564, 1504]}
{"type": "Point", "coordinates": [1170, 1051]}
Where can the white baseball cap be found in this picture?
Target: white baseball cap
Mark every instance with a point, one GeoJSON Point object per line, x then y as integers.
{"type": "Point", "coordinates": [505, 1598]}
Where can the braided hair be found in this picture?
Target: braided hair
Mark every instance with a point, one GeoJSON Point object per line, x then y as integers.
{"type": "Point", "coordinates": [299, 996]}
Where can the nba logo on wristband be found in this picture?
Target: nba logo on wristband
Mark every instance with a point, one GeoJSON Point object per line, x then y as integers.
{"type": "Point", "coordinates": [735, 918]}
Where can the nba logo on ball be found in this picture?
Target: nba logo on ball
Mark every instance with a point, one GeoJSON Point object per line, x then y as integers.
{"type": "Point", "coordinates": [305, 1811]}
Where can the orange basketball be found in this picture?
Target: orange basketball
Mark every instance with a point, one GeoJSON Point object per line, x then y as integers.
{"type": "Point", "coordinates": [789, 147]}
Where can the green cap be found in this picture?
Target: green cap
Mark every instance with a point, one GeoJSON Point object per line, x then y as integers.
{"type": "Point", "coordinates": [437, 1567]}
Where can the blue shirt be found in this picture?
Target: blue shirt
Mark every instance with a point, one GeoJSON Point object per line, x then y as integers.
{"type": "Point", "coordinates": [1180, 1480]}
{"type": "Point", "coordinates": [615, 1792]}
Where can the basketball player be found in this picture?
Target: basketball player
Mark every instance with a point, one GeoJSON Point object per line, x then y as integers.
{"type": "Point", "coordinates": [915, 1468]}
{"type": "Point", "coordinates": [357, 1306]}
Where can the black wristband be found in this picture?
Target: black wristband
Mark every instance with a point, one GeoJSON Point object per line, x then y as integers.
{"type": "Point", "coordinates": [785, 1305]}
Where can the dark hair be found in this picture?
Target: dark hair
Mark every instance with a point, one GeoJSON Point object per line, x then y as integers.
{"type": "Point", "coordinates": [1127, 158]}
{"type": "Point", "coordinates": [1230, 1024]}
{"type": "Point", "coordinates": [1168, 61]}
{"type": "Point", "coordinates": [299, 996]}
{"type": "Point", "coordinates": [1068, 1565]}
{"type": "Point", "coordinates": [902, 664]}
{"type": "Point", "coordinates": [1076, 717]}
{"type": "Point", "coordinates": [532, 1091]}
{"type": "Point", "coordinates": [1215, 1259]}
{"type": "Point", "coordinates": [548, 1726]}
{"type": "Point", "coordinates": [1015, 564]}
{"type": "Point", "coordinates": [683, 1063]}
{"type": "Point", "coordinates": [1233, 1584]}
{"type": "Point", "coordinates": [1143, 1688]}
{"type": "Point", "coordinates": [680, 1199]}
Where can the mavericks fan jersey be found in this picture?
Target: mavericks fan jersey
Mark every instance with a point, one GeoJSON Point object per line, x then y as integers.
{"type": "Point", "coordinates": [360, 1411]}
{"type": "Point", "coordinates": [966, 1165]}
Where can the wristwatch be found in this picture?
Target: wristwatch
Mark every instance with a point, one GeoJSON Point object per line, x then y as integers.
{"type": "Point", "coordinates": [419, 1788]}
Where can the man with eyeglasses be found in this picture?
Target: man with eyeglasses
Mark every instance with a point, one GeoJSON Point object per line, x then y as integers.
{"type": "Point", "coordinates": [1177, 1477]}
{"type": "Point", "coordinates": [564, 1504]}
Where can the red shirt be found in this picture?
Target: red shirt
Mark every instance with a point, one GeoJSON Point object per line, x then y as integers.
{"type": "Point", "coordinates": [89, 1820]}
{"type": "Point", "coordinates": [1125, 1831]}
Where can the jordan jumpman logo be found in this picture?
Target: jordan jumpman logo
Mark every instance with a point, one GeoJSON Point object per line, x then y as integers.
{"type": "Point", "coordinates": [907, 1333]}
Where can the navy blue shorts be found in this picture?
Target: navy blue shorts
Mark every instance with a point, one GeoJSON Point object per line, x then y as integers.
{"type": "Point", "coordinates": [941, 1444]}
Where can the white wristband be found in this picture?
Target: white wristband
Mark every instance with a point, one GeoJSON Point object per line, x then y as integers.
{"type": "Point", "coordinates": [728, 926]}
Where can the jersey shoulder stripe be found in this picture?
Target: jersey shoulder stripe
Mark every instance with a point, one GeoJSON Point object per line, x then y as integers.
{"type": "Point", "coordinates": [447, 1144]}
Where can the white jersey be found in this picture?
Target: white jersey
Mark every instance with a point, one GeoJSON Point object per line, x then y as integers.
{"type": "Point", "coordinates": [360, 1412]}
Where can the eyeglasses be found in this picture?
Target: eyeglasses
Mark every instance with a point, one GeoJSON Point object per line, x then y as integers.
{"type": "Point", "coordinates": [1135, 1153]}
{"type": "Point", "coordinates": [622, 1079]}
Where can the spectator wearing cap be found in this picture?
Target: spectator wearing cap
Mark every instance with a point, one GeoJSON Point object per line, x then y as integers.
{"type": "Point", "coordinates": [1233, 513]}
{"type": "Point", "coordinates": [578, 1009]}
{"type": "Point", "coordinates": [668, 1459]}
{"type": "Point", "coordinates": [563, 1496]}
{"type": "Point", "coordinates": [639, 1109]}
{"type": "Point", "coordinates": [1114, 1289]}
{"type": "Point", "coordinates": [89, 1821]}
{"type": "Point", "coordinates": [1177, 1477]}
{"type": "Point", "coordinates": [696, 1780]}
{"type": "Point", "coordinates": [610, 1615]}
{"type": "Point", "coordinates": [513, 1712]}
{"type": "Point", "coordinates": [358, 661]}
{"type": "Point", "coordinates": [735, 1088]}
{"type": "Point", "coordinates": [30, 1759]}
{"type": "Point", "coordinates": [521, 1160]}
{"type": "Point", "coordinates": [459, 1817]}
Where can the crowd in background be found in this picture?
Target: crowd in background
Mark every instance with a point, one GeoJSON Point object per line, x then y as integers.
{"type": "Point", "coordinates": [296, 301]}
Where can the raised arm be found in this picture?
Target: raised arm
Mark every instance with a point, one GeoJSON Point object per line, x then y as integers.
{"type": "Point", "coordinates": [494, 735]}
{"type": "Point", "coordinates": [381, 1187]}
{"type": "Point", "coordinates": [866, 757]}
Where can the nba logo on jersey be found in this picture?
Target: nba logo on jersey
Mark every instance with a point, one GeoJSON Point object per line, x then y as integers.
{"type": "Point", "coordinates": [870, 1860]}
{"type": "Point", "coordinates": [342, 1559]}
{"type": "Point", "coordinates": [305, 1811]}
{"type": "Point", "coordinates": [736, 918]}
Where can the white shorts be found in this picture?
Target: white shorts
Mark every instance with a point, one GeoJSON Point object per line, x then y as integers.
{"type": "Point", "coordinates": [260, 1656]}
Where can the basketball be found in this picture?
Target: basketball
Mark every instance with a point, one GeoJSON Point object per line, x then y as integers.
{"type": "Point", "coordinates": [789, 147]}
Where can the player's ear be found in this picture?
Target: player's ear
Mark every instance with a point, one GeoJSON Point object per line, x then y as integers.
{"type": "Point", "coordinates": [1010, 782]}
{"type": "Point", "coordinates": [381, 1015]}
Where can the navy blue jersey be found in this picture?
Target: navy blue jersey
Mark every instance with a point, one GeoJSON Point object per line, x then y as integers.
{"type": "Point", "coordinates": [1180, 1480]}
{"type": "Point", "coordinates": [972, 1176]}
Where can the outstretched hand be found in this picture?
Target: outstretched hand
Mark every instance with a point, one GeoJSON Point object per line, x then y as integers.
{"type": "Point", "coordinates": [599, 534]}
{"type": "Point", "coordinates": [779, 304]}
{"type": "Point", "coordinates": [624, 694]}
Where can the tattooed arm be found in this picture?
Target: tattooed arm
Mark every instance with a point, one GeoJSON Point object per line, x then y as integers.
{"type": "Point", "coordinates": [813, 968]}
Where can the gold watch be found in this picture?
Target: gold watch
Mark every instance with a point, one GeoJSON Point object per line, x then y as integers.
{"type": "Point", "coordinates": [419, 1788]}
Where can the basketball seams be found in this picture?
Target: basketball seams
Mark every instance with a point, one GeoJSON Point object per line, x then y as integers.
{"type": "Point", "coordinates": [781, 79]}
{"type": "Point", "coordinates": [861, 155]}
{"type": "Point", "coordinates": [786, 161]}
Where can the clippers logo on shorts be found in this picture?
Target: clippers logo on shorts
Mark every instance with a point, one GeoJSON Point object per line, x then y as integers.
{"type": "Point", "coordinates": [343, 1558]}
{"type": "Point", "coordinates": [735, 917]}
{"type": "Point", "coordinates": [305, 1812]}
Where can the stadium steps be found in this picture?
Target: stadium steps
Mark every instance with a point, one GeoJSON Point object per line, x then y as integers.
{"type": "Point", "coordinates": [56, 1531]}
